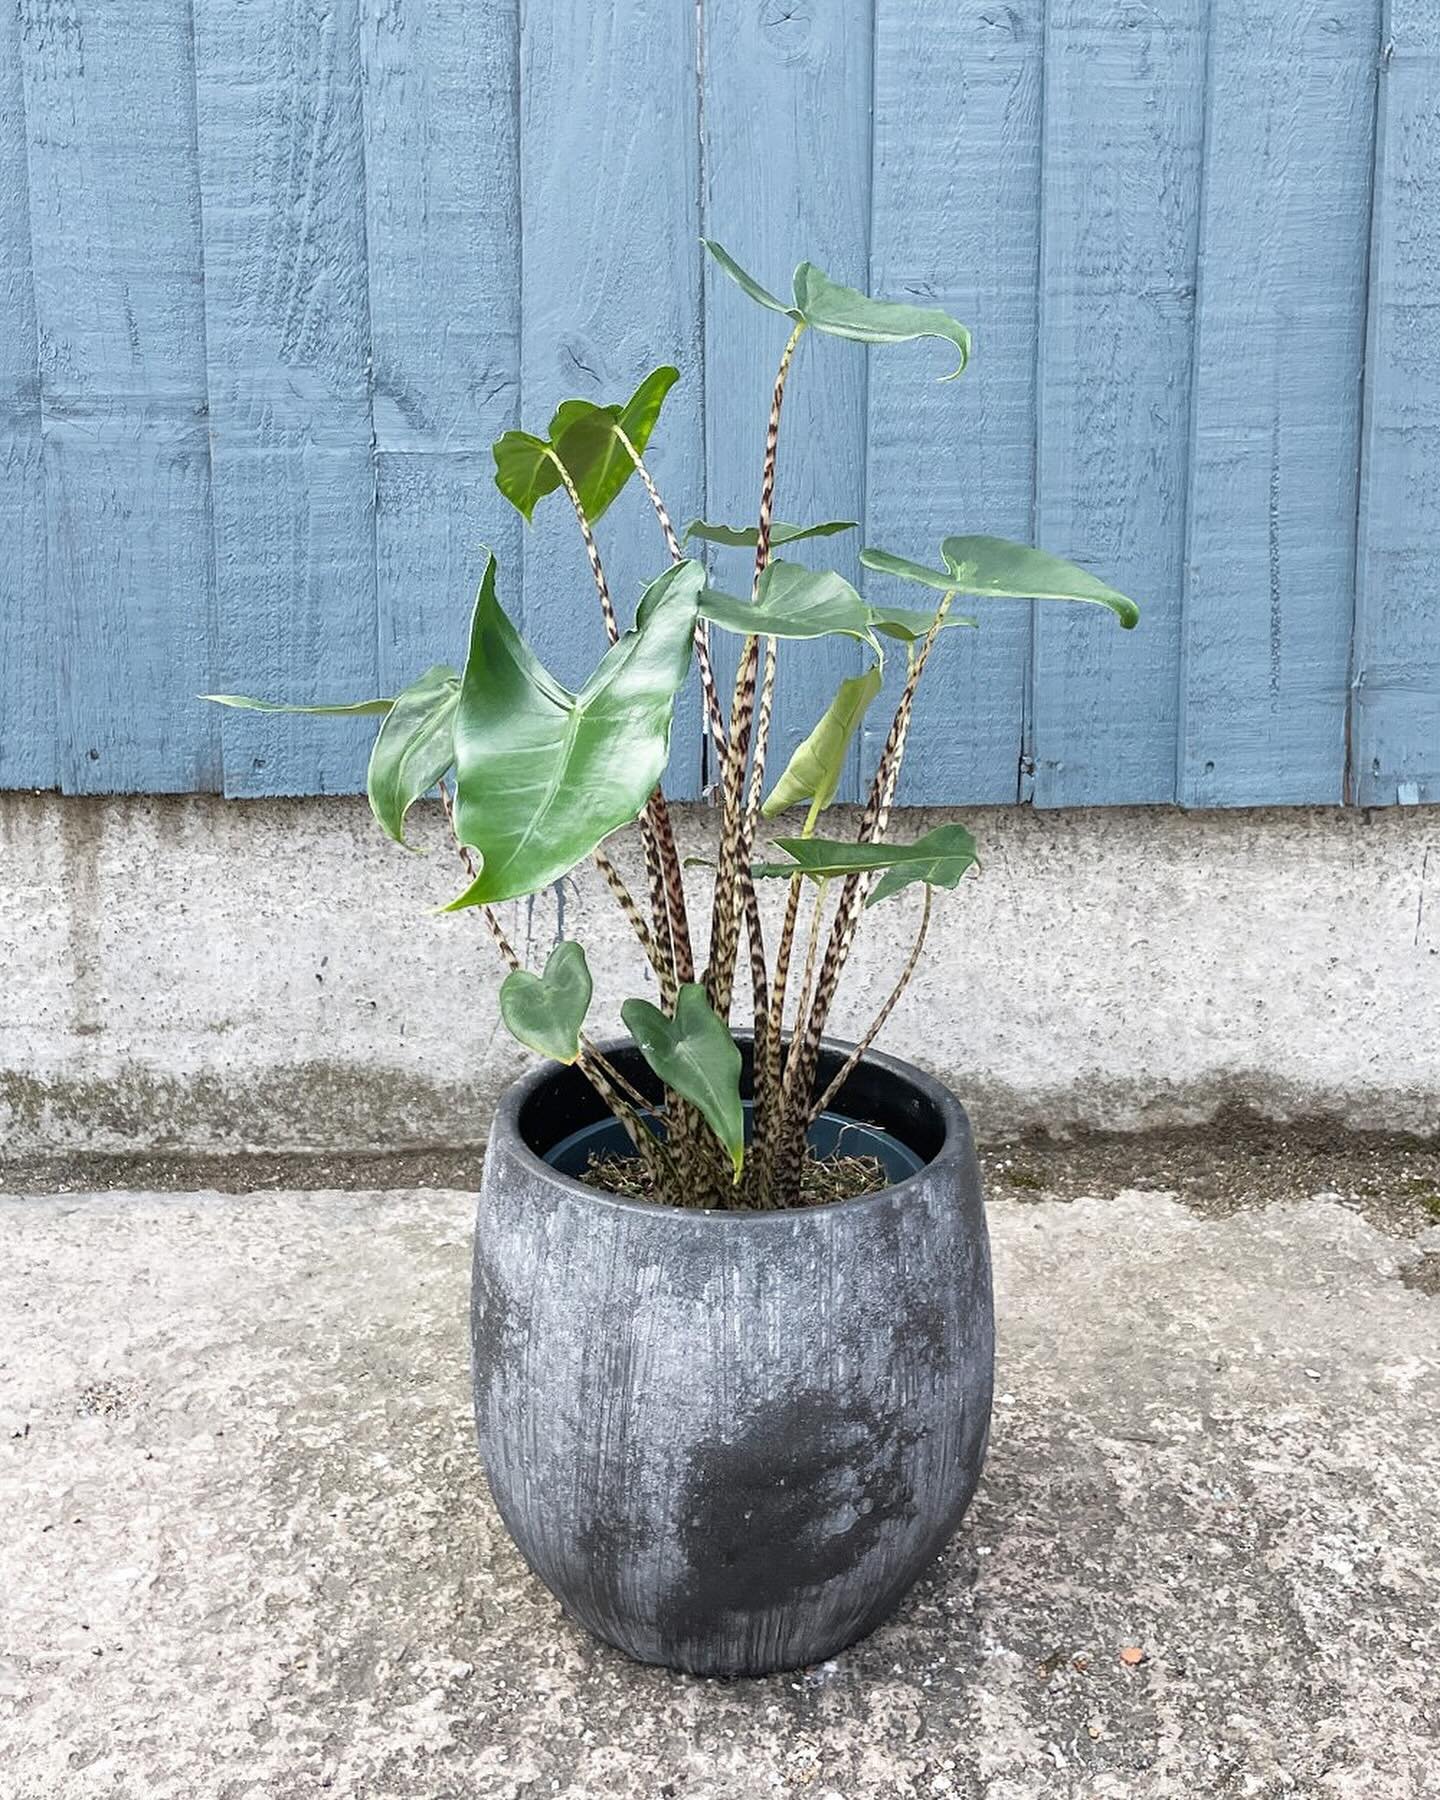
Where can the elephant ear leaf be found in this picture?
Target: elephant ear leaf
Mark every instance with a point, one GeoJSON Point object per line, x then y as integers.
{"type": "Point", "coordinates": [695, 1056]}
{"type": "Point", "coordinates": [525, 471]}
{"type": "Point", "coordinates": [542, 775]}
{"type": "Point", "coordinates": [846, 312]}
{"type": "Point", "coordinates": [995, 566]}
{"type": "Point", "coordinates": [794, 602]}
{"type": "Point", "coordinates": [587, 439]}
{"type": "Point", "coordinates": [813, 772]}
{"type": "Point", "coordinates": [545, 1012]}
{"type": "Point", "coordinates": [414, 749]}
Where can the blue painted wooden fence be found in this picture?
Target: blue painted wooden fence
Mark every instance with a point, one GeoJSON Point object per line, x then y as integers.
{"type": "Point", "coordinates": [275, 273]}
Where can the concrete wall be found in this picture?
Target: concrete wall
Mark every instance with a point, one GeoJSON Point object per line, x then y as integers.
{"type": "Point", "coordinates": [194, 973]}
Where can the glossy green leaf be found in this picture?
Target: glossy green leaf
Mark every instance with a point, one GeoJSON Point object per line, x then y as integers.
{"type": "Point", "coordinates": [545, 1012]}
{"type": "Point", "coordinates": [542, 775]}
{"type": "Point", "coordinates": [584, 436]}
{"type": "Point", "coordinates": [939, 858]}
{"type": "Point", "coordinates": [813, 772]}
{"type": "Point", "coordinates": [525, 470]}
{"type": "Point", "coordinates": [846, 312]}
{"type": "Point", "coordinates": [695, 1056]}
{"type": "Point", "coordinates": [414, 749]}
{"type": "Point", "coordinates": [794, 602]}
{"type": "Point", "coordinates": [994, 568]}
{"type": "Point", "coordinates": [344, 709]}
{"type": "Point", "coordinates": [744, 537]}
{"type": "Point", "coordinates": [991, 565]}
{"type": "Point", "coordinates": [761, 295]}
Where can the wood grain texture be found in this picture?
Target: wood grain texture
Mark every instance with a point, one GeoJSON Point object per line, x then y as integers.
{"type": "Point", "coordinates": [27, 646]}
{"type": "Point", "coordinates": [787, 102]}
{"type": "Point", "coordinates": [1396, 667]}
{"type": "Point", "coordinates": [282, 175]}
{"type": "Point", "coordinates": [1276, 408]}
{"type": "Point", "coordinates": [610, 198]}
{"type": "Point", "coordinates": [443, 242]}
{"type": "Point", "coordinates": [957, 225]}
{"type": "Point", "coordinates": [1124, 103]}
{"type": "Point", "coordinates": [115, 204]}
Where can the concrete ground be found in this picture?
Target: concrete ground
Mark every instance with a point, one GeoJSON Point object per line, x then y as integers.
{"type": "Point", "coordinates": [248, 1550]}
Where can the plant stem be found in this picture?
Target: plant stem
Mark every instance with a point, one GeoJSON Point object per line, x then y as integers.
{"type": "Point", "coordinates": [656, 954]}
{"type": "Point", "coordinates": [607, 1081]}
{"type": "Point", "coordinates": [713, 714]}
{"type": "Point", "coordinates": [800, 1075]}
{"type": "Point", "coordinates": [734, 853]}
{"type": "Point", "coordinates": [662, 865]}
{"type": "Point", "coordinates": [902, 982]}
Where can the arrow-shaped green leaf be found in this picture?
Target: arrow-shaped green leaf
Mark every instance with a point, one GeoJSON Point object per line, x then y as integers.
{"type": "Point", "coordinates": [744, 537]}
{"type": "Point", "coordinates": [940, 858]}
{"type": "Point", "coordinates": [414, 749]}
{"type": "Point", "coordinates": [813, 772]}
{"type": "Point", "coordinates": [545, 1012]}
{"type": "Point", "coordinates": [585, 438]}
{"type": "Point", "coordinates": [794, 602]}
{"type": "Point", "coordinates": [995, 568]}
{"type": "Point", "coordinates": [846, 312]}
{"type": "Point", "coordinates": [695, 1055]}
{"type": "Point", "coordinates": [543, 775]}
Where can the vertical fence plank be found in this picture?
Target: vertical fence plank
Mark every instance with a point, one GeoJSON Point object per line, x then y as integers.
{"type": "Point", "coordinates": [956, 225]}
{"type": "Point", "coordinates": [27, 648]}
{"type": "Point", "coordinates": [1124, 102]}
{"type": "Point", "coordinates": [609, 173]}
{"type": "Point", "coordinates": [1276, 408]}
{"type": "Point", "coordinates": [787, 98]}
{"type": "Point", "coordinates": [282, 177]}
{"type": "Point", "coordinates": [1396, 683]}
{"type": "Point", "coordinates": [443, 235]}
{"type": "Point", "coordinates": [115, 205]}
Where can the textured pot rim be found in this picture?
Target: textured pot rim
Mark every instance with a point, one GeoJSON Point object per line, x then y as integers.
{"type": "Point", "coordinates": [956, 1136]}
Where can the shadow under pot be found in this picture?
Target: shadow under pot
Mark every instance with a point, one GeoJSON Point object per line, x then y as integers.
{"type": "Point", "coordinates": [729, 1442]}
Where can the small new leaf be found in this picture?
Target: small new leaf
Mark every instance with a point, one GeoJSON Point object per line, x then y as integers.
{"type": "Point", "coordinates": [695, 1055]}
{"type": "Point", "coordinates": [414, 749]}
{"type": "Point", "coordinates": [813, 772]}
{"type": "Point", "coordinates": [744, 537]}
{"type": "Point", "coordinates": [585, 438]}
{"type": "Point", "coordinates": [545, 1012]}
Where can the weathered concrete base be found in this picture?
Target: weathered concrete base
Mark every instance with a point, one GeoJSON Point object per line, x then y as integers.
{"type": "Point", "coordinates": [249, 1553]}
{"type": "Point", "coordinates": [206, 975]}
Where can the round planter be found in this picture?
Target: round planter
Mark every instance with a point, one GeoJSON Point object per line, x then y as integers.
{"type": "Point", "coordinates": [730, 1441]}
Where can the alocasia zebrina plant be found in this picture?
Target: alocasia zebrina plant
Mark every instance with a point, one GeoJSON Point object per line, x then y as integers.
{"type": "Point", "coordinates": [534, 779]}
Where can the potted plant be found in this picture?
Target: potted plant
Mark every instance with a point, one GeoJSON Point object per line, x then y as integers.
{"type": "Point", "coordinates": [732, 1317]}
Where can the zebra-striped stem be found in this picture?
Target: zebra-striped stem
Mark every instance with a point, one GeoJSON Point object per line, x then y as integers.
{"type": "Point", "coordinates": [734, 851]}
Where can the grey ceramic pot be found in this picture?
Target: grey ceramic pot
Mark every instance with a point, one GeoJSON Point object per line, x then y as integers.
{"type": "Point", "coordinates": [730, 1441]}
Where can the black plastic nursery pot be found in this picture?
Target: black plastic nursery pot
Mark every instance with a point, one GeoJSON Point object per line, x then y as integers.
{"type": "Point", "coordinates": [729, 1442]}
